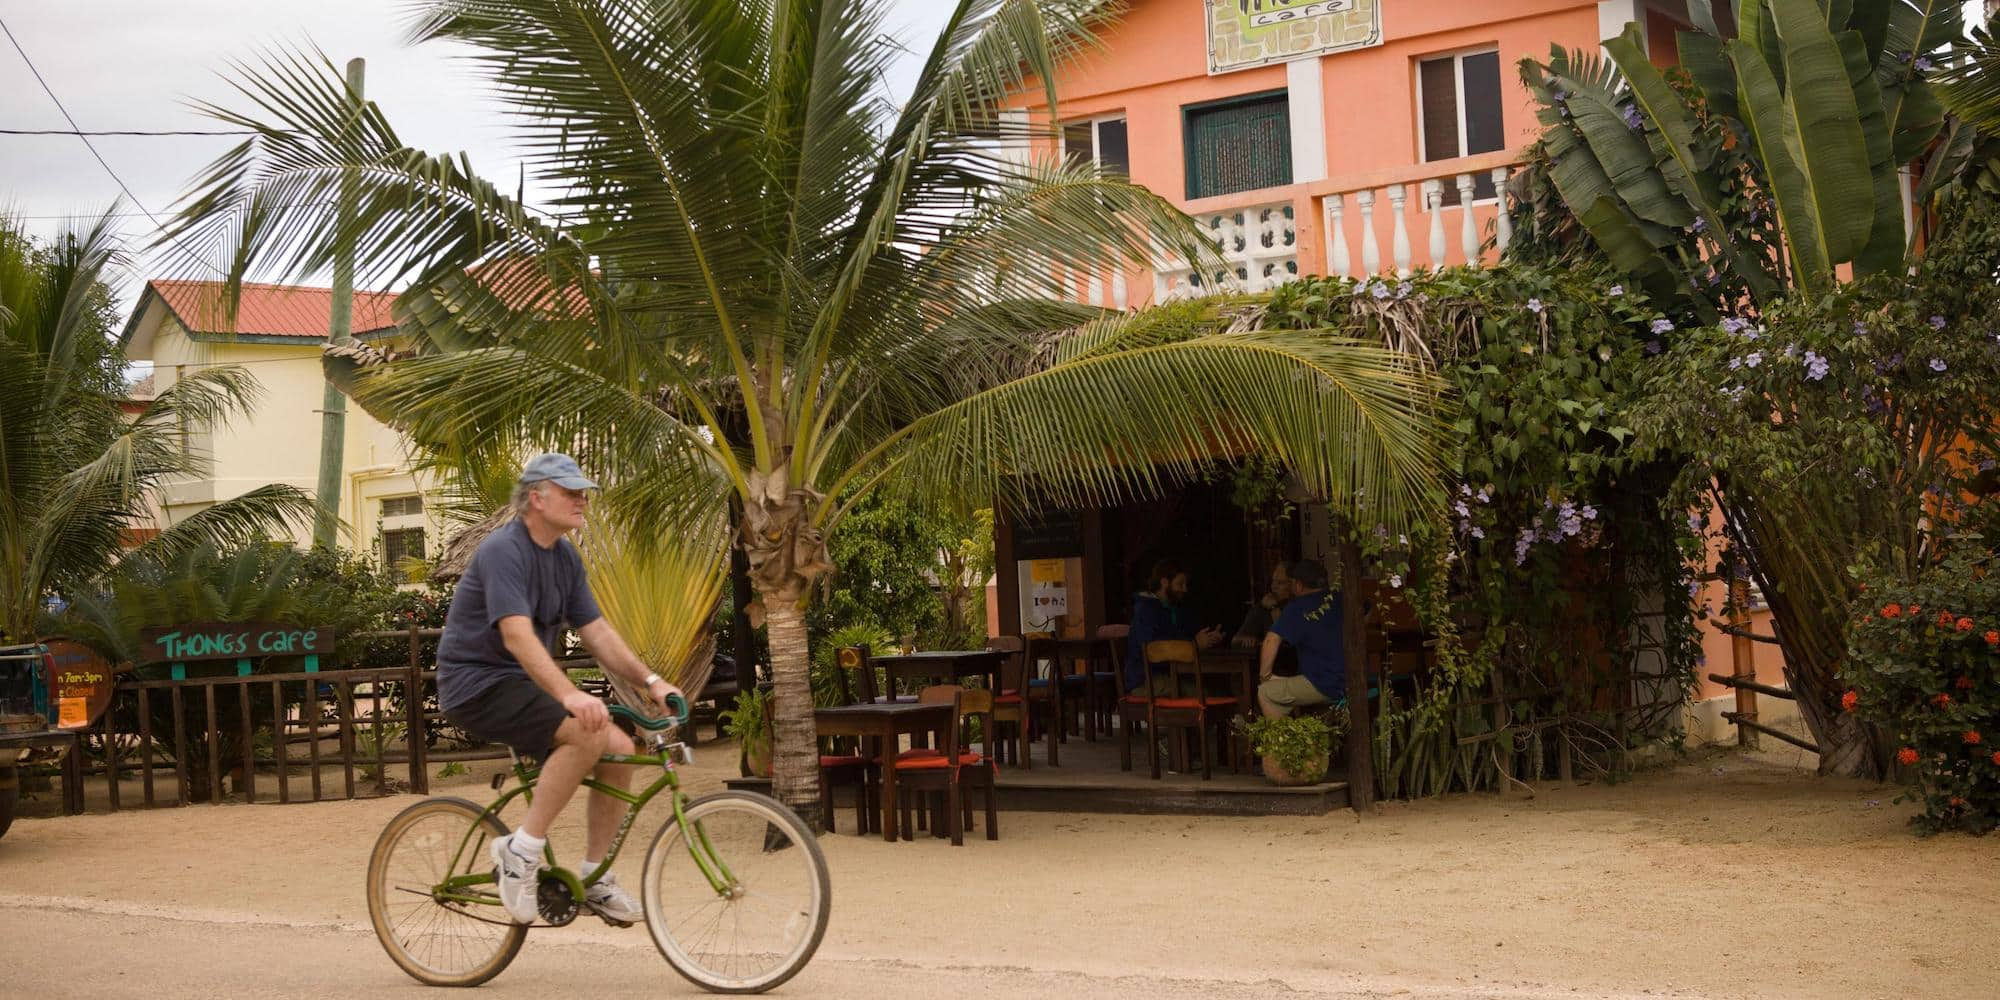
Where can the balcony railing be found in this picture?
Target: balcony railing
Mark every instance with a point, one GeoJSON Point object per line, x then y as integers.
{"type": "Point", "coordinates": [1364, 226]}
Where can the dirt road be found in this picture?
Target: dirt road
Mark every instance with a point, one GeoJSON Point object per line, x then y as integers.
{"type": "Point", "coordinates": [1722, 877]}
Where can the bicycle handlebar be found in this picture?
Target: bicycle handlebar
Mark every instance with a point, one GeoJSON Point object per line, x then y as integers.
{"type": "Point", "coordinates": [677, 708]}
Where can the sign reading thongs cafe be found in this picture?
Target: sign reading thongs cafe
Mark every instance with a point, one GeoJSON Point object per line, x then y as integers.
{"type": "Point", "coordinates": [1247, 33]}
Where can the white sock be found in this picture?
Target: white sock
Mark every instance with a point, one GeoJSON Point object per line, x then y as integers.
{"type": "Point", "coordinates": [588, 867]}
{"type": "Point", "coordinates": [527, 845]}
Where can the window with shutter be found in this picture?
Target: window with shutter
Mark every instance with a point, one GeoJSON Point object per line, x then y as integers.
{"type": "Point", "coordinates": [401, 544]}
{"type": "Point", "coordinates": [1458, 112]}
{"type": "Point", "coordinates": [1238, 145]}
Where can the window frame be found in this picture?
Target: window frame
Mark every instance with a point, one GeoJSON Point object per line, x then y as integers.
{"type": "Point", "coordinates": [1096, 123]}
{"type": "Point", "coordinates": [1188, 111]}
{"type": "Point", "coordinates": [1457, 57]}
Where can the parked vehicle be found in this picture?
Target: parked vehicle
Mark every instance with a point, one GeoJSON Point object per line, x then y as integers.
{"type": "Point", "coordinates": [24, 714]}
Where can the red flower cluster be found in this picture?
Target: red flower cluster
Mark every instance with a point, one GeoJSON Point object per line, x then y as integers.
{"type": "Point", "coordinates": [1891, 610]}
{"type": "Point", "coordinates": [1964, 683]}
{"type": "Point", "coordinates": [1849, 700]}
{"type": "Point", "coordinates": [1945, 619]}
{"type": "Point", "coordinates": [1996, 758]}
{"type": "Point", "coordinates": [1906, 756]}
{"type": "Point", "coordinates": [1942, 700]}
{"type": "Point", "coordinates": [1965, 624]}
{"type": "Point", "coordinates": [1972, 737]}
{"type": "Point", "coordinates": [1993, 638]}
{"type": "Point", "coordinates": [1913, 610]}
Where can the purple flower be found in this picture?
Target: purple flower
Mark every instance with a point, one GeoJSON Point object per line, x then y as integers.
{"type": "Point", "coordinates": [1663, 325]}
{"type": "Point", "coordinates": [1403, 290]}
{"type": "Point", "coordinates": [1632, 118]}
{"type": "Point", "coordinates": [1589, 512]}
{"type": "Point", "coordinates": [1378, 289]}
{"type": "Point", "coordinates": [1695, 523]}
{"type": "Point", "coordinates": [1616, 290]}
{"type": "Point", "coordinates": [1478, 532]}
{"type": "Point", "coordinates": [1653, 347]}
{"type": "Point", "coordinates": [1937, 322]}
{"type": "Point", "coordinates": [1937, 364]}
{"type": "Point", "coordinates": [1462, 509]}
{"type": "Point", "coordinates": [1700, 225]}
{"type": "Point", "coordinates": [1521, 544]}
{"type": "Point", "coordinates": [1816, 367]}
{"type": "Point", "coordinates": [1923, 65]}
{"type": "Point", "coordinates": [1733, 325]}
{"type": "Point", "coordinates": [1860, 329]}
{"type": "Point", "coordinates": [1735, 363]}
{"type": "Point", "coordinates": [1535, 306]}
{"type": "Point", "coordinates": [1754, 358]}
{"type": "Point", "coordinates": [1693, 588]}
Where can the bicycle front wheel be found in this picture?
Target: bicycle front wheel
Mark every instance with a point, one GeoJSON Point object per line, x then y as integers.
{"type": "Point", "coordinates": [737, 897]}
{"type": "Point", "coordinates": [441, 933]}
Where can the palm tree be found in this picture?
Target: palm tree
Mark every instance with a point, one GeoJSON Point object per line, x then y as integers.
{"type": "Point", "coordinates": [765, 290]}
{"type": "Point", "coordinates": [74, 474]}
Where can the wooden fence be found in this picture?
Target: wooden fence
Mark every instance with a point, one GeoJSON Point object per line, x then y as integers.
{"type": "Point", "coordinates": [343, 728]}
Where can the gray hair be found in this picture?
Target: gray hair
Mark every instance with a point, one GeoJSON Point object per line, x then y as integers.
{"type": "Point", "coordinates": [522, 491]}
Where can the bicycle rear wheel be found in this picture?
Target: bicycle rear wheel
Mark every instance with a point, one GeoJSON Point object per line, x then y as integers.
{"type": "Point", "coordinates": [758, 922]}
{"type": "Point", "coordinates": [460, 939]}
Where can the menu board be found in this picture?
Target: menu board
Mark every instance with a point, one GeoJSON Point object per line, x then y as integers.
{"type": "Point", "coordinates": [79, 684]}
{"type": "Point", "coordinates": [1048, 534]}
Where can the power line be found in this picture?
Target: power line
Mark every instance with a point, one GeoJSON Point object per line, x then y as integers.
{"type": "Point", "coordinates": [80, 133]}
{"type": "Point", "coordinates": [87, 144]}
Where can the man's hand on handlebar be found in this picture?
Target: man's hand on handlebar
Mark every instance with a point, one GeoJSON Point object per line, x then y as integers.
{"type": "Point", "coordinates": [657, 692]}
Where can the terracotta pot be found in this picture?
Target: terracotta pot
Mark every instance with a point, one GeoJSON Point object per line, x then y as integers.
{"type": "Point", "coordinates": [1277, 775]}
{"type": "Point", "coordinates": [758, 758]}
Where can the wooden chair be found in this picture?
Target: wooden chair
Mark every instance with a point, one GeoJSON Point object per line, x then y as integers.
{"type": "Point", "coordinates": [847, 766]}
{"type": "Point", "coordinates": [1107, 674]}
{"type": "Point", "coordinates": [1198, 711]}
{"type": "Point", "coordinates": [951, 769]}
{"type": "Point", "coordinates": [1014, 704]}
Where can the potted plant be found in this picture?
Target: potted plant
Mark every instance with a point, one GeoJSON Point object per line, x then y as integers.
{"type": "Point", "coordinates": [750, 723]}
{"type": "Point", "coordinates": [1294, 749]}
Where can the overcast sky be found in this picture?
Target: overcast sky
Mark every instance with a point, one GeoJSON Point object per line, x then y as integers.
{"type": "Point", "coordinates": [136, 64]}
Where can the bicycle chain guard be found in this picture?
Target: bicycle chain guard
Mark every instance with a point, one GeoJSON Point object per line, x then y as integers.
{"type": "Point", "coordinates": [553, 900]}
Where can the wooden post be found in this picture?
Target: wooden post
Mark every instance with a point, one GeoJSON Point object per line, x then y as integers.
{"type": "Point", "coordinates": [1360, 759]}
{"type": "Point", "coordinates": [415, 726]}
{"type": "Point", "coordinates": [1743, 656]}
{"type": "Point", "coordinates": [281, 735]}
{"type": "Point", "coordinates": [146, 746]}
{"type": "Point", "coordinates": [249, 744]}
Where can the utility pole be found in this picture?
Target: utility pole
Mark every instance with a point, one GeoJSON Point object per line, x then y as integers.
{"type": "Point", "coordinates": [339, 330]}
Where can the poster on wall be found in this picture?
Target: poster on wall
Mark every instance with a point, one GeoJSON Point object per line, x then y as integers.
{"type": "Point", "coordinates": [1049, 595]}
{"type": "Point", "coordinates": [1247, 33]}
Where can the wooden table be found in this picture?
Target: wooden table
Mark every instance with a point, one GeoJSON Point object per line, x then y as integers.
{"type": "Point", "coordinates": [942, 665]}
{"type": "Point", "coordinates": [886, 722]}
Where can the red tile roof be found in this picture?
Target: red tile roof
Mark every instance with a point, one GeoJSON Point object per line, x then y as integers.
{"type": "Point", "coordinates": [269, 310]}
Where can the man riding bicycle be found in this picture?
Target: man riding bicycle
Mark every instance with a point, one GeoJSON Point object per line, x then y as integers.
{"type": "Point", "coordinates": [498, 679]}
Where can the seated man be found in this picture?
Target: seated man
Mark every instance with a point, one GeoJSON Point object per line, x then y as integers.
{"type": "Point", "coordinates": [1158, 614]}
{"type": "Point", "coordinates": [1250, 634]}
{"type": "Point", "coordinates": [498, 679]}
{"type": "Point", "coordinates": [1310, 624]}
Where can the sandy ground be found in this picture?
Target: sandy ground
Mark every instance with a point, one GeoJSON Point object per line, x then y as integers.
{"type": "Point", "coordinates": [1724, 876]}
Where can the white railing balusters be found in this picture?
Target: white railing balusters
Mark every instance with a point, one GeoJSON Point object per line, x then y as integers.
{"type": "Point", "coordinates": [1336, 235]}
{"type": "Point", "coordinates": [1371, 253]}
{"type": "Point", "coordinates": [1468, 231]}
{"type": "Point", "coordinates": [1503, 226]}
{"type": "Point", "coordinates": [1398, 195]}
{"type": "Point", "coordinates": [1433, 202]}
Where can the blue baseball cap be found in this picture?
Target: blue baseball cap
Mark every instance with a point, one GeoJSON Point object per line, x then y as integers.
{"type": "Point", "coordinates": [559, 469]}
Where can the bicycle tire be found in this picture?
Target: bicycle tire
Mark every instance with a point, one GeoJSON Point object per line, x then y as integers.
{"type": "Point", "coordinates": [417, 930]}
{"type": "Point", "coordinates": [744, 830]}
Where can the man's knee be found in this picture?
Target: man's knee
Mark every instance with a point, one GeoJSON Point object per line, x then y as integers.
{"type": "Point", "coordinates": [572, 733]}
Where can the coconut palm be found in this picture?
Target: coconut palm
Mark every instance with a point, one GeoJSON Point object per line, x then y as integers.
{"type": "Point", "coordinates": [74, 474]}
{"type": "Point", "coordinates": [763, 289]}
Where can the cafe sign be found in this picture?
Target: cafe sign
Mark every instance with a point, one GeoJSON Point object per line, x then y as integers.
{"type": "Point", "coordinates": [1246, 33]}
{"type": "Point", "coordinates": [233, 641]}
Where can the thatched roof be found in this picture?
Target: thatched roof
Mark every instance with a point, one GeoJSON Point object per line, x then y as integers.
{"type": "Point", "coordinates": [458, 550]}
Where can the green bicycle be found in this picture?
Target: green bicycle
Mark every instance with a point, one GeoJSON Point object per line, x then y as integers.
{"type": "Point", "coordinates": [735, 891]}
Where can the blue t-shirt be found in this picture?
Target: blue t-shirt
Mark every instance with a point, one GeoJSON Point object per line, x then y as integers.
{"type": "Point", "coordinates": [1152, 621]}
{"type": "Point", "coordinates": [1318, 637]}
{"type": "Point", "coordinates": [509, 575]}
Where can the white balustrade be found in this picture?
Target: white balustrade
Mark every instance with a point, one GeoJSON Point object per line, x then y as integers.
{"type": "Point", "coordinates": [1259, 245]}
{"type": "Point", "coordinates": [1433, 190]}
{"type": "Point", "coordinates": [1399, 193]}
{"type": "Point", "coordinates": [1432, 194]}
{"type": "Point", "coordinates": [1468, 234]}
{"type": "Point", "coordinates": [1371, 253]}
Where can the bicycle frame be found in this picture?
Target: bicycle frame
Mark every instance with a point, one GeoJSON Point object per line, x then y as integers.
{"type": "Point", "coordinates": [720, 879]}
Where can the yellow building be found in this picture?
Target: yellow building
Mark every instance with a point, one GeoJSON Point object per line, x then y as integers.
{"type": "Point", "coordinates": [180, 327]}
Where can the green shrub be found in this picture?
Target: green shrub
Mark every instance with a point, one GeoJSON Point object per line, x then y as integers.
{"type": "Point", "coordinates": [1924, 662]}
{"type": "Point", "coordinates": [1299, 744]}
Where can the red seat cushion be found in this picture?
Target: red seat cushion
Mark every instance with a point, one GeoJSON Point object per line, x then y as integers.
{"type": "Point", "coordinates": [916, 759]}
{"type": "Point", "coordinates": [1010, 698]}
{"type": "Point", "coordinates": [1225, 702]}
{"type": "Point", "coordinates": [828, 760]}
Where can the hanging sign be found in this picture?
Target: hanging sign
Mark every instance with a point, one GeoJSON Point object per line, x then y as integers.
{"type": "Point", "coordinates": [232, 641]}
{"type": "Point", "coordinates": [79, 684]}
{"type": "Point", "coordinates": [1247, 33]}
{"type": "Point", "coordinates": [1050, 593]}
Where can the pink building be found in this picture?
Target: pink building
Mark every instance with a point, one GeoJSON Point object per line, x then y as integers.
{"type": "Point", "coordinates": [1349, 137]}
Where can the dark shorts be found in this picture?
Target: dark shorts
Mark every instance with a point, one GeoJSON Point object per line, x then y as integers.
{"type": "Point", "coordinates": [513, 711]}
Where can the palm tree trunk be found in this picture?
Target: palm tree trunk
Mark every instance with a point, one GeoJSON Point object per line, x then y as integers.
{"type": "Point", "coordinates": [795, 743]}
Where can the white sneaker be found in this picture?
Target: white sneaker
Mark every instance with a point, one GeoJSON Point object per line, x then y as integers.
{"type": "Point", "coordinates": [612, 902]}
{"type": "Point", "coordinates": [519, 879]}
